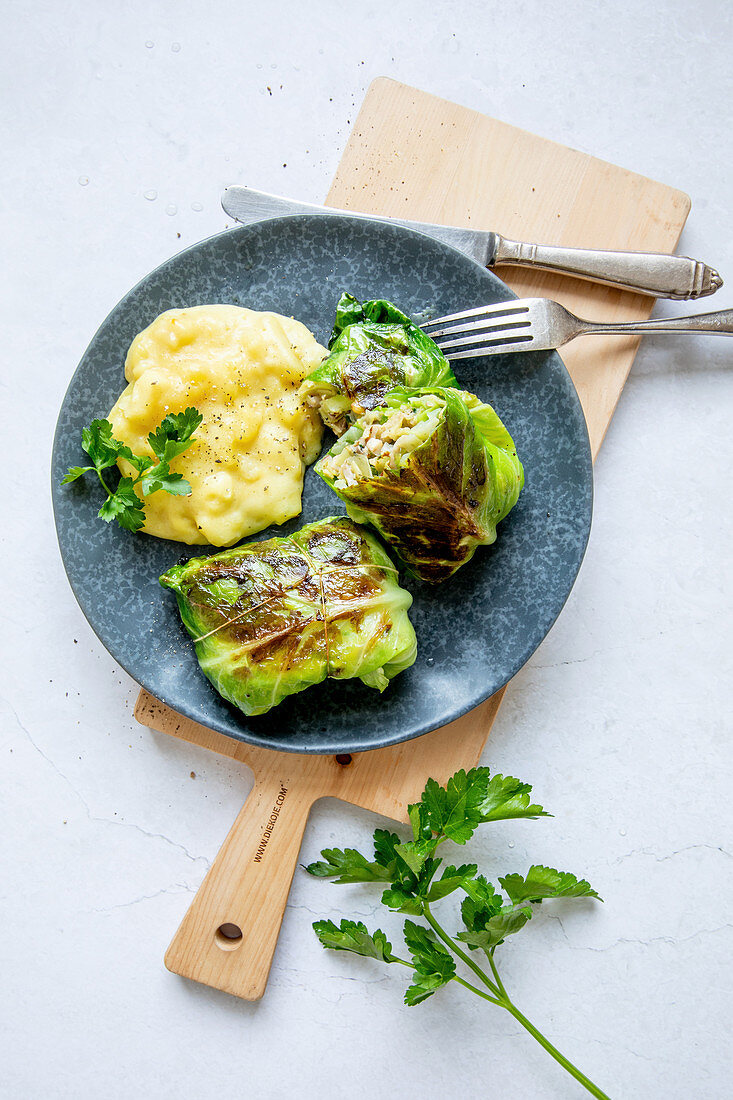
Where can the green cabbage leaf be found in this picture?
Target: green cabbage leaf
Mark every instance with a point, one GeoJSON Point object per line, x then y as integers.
{"type": "Point", "coordinates": [272, 618]}
{"type": "Point", "coordinates": [434, 471]}
{"type": "Point", "coordinates": [374, 347]}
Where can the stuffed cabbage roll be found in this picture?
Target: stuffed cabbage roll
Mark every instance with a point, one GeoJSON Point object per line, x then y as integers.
{"type": "Point", "coordinates": [433, 470]}
{"type": "Point", "coordinates": [271, 618]}
{"type": "Point", "coordinates": [374, 347]}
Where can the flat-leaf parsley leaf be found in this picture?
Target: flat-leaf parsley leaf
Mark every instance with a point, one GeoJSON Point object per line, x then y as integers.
{"type": "Point", "coordinates": [452, 812]}
{"type": "Point", "coordinates": [125, 502]}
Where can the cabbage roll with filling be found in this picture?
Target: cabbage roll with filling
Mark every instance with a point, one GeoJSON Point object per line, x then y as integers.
{"type": "Point", "coordinates": [433, 470]}
{"type": "Point", "coordinates": [271, 618]}
{"type": "Point", "coordinates": [374, 347]}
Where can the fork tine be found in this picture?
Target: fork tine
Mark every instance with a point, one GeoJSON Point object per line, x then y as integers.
{"type": "Point", "coordinates": [487, 327]}
{"type": "Point", "coordinates": [519, 325]}
{"type": "Point", "coordinates": [489, 339]}
{"type": "Point", "coordinates": [500, 309]}
{"type": "Point", "coordinates": [495, 347]}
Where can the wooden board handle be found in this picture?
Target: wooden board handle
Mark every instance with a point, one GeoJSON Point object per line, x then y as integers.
{"type": "Point", "coordinates": [227, 938]}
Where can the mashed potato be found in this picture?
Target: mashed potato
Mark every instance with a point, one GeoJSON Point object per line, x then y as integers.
{"type": "Point", "coordinates": [241, 370]}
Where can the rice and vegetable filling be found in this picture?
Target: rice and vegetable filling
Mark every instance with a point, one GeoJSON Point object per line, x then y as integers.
{"type": "Point", "coordinates": [384, 442]}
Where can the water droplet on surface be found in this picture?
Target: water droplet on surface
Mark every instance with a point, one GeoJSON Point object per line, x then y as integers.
{"type": "Point", "coordinates": [171, 209]}
{"type": "Point", "coordinates": [430, 662]}
{"type": "Point", "coordinates": [197, 206]}
{"type": "Point", "coordinates": [83, 181]}
{"type": "Point", "coordinates": [149, 45]}
{"type": "Point", "coordinates": [511, 843]}
{"type": "Point", "coordinates": [260, 66]}
{"type": "Point", "coordinates": [151, 196]}
{"type": "Point", "coordinates": [622, 832]}
{"type": "Point", "coordinates": [273, 66]}
{"type": "Point", "coordinates": [176, 47]}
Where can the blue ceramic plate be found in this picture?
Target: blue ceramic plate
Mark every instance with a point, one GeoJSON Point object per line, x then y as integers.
{"type": "Point", "coordinates": [477, 629]}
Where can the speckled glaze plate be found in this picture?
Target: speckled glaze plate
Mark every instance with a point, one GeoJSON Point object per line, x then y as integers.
{"type": "Point", "coordinates": [477, 629]}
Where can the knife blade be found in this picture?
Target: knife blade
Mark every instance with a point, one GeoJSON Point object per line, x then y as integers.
{"type": "Point", "coordinates": [247, 205]}
{"type": "Point", "coordinates": [650, 273]}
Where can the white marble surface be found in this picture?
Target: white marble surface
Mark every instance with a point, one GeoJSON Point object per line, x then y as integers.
{"type": "Point", "coordinates": [621, 720]}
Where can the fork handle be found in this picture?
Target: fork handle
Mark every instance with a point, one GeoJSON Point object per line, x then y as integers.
{"type": "Point", "coordinates": [652, 273]}
{"type": "Point", "coordinates": [720, 322]}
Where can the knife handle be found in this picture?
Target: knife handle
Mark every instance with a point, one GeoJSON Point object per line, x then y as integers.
{"type": "Point", "coordinates": [652, 273]}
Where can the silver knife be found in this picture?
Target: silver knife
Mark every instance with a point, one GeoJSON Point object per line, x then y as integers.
{"type": "Point", "coordinates": [653, 273]}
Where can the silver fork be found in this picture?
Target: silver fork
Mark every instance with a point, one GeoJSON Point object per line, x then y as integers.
{"type": "Point", "coordinates": [536, 324]}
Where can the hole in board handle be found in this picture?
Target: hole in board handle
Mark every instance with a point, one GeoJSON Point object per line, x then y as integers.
{"type": "Point", "coordinates": [343, 758]}
{"type": "Point", "coordinates": [228, 936]}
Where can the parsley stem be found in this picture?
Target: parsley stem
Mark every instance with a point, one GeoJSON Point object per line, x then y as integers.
{"type": "Point", "coordinates": [453, 946]}
{"type": "Point", "coordinates": [495, 972]}
{"type": "Point", "coordinates": [501, 998]}
{"type": "Point", "coordinates": [478, 992]}
{"type": "Point", "coordinates": [554, 1052]}
{"type": "Point", "coordinates": [104, 484]}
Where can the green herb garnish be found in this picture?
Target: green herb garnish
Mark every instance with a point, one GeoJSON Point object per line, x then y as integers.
{"type": "Point", "coordinates": [410, 868]}
{"type": "Point", "coordinates": [170, 439]}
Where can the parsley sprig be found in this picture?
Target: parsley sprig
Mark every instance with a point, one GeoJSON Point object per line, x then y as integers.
{"type": "Point", "coordinates": [170, 439]}
{"type": "Point", "coordinates": [410, 871]}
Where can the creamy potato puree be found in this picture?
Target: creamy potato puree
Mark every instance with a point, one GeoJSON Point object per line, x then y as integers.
{"type": "Point", "coordinates": [241, 370]}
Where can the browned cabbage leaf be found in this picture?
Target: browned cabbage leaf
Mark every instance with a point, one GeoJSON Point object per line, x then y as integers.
{"type": "Point", "coordinates": [271, 618]}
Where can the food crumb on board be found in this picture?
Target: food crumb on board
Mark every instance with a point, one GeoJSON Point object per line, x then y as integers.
{"type": "Point", "coordinates": [193, 775]}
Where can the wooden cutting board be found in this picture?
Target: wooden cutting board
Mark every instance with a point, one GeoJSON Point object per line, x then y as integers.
{"type": "Point", "coordinates": [415, 156]}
